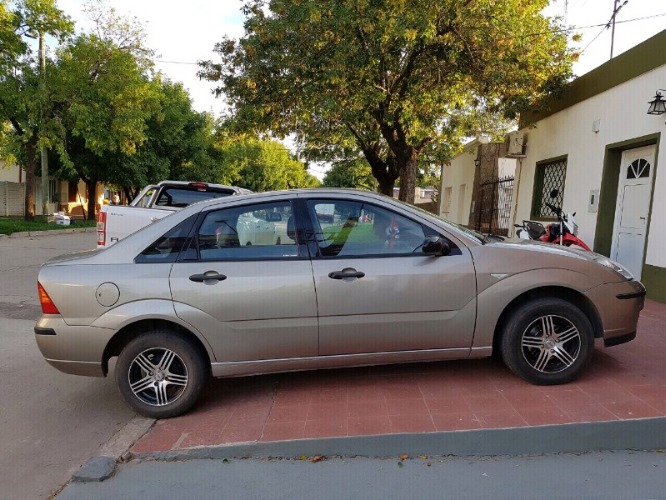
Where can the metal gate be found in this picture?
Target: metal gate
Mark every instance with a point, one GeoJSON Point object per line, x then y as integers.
{"type": "Point", "coordinates": [494, 206]}
{"type": "Point", "coordinates": [12, 199]}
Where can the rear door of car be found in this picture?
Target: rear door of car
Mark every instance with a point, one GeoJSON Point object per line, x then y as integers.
{"type": "Point", "coordinates": [245, 282]}
{"type": "Point", "coordinates": [376, 291]}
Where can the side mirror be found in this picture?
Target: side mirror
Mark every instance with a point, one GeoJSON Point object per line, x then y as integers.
{"type": "Point", "coordinates": [435, 246]}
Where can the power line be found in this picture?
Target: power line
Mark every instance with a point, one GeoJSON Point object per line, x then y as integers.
{"type": "Point", "coordinates": [558, 30]}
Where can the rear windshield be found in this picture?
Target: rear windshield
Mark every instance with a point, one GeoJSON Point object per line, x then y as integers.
{"type": "Point", "coordinates": [182, 196]}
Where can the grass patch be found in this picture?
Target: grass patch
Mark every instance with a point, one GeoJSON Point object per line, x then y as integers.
{"type": "Point", "coordinates": [9, 225]}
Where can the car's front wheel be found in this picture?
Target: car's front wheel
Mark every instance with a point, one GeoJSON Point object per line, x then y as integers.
{"type": "Point", "coordinates": [160, 374]}
{"type": "Point", "coordinates": [547, 341]}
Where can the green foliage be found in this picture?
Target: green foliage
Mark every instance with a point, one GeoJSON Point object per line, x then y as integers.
{"type": "Point", "coordinates": [105, 97]}
{"type": "Point", "coordinates": [355, 173]}
{"type": "Point", "coordinates": [392, 78]}
{"type": "Point", "coordinates": [260, 165]}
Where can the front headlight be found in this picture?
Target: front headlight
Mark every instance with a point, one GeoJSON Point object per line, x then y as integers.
{"type": "Point", "coordinates": [611, 264]}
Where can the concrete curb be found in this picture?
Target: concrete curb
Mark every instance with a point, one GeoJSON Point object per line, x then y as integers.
{"type": "Point", "coordinates": [116, 450]}
{"type": "Point", "coordinates": [50, 232]}
{"type": "Point", "coordinates": [646, 434]}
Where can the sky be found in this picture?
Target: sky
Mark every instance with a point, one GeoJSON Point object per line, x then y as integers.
{"type": "Point", "coordinates": [184, 32]}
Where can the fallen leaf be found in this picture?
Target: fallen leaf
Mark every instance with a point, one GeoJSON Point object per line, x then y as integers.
{"type": "Point", "coordinates": [421, 457]}
{"type": "Point", "coordinates": [317, 458]}
{"type": "Point", "coordinates": [400, 464]}
{"type": "Point", "coordinates": [403, 457]}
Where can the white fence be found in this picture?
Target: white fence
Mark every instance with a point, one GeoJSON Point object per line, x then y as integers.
{"type": "Point", "coordinates": [12, 199]}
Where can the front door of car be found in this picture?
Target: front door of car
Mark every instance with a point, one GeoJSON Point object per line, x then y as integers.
{"type": "Point", "coordinates": [246, 284]}
{"type": "Point", "coordinates": [377, 291]}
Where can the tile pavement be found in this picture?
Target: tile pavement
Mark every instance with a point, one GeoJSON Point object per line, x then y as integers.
{"type": "Point", "coordinates": [625, 382]}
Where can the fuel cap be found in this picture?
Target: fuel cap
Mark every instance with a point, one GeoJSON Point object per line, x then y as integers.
{"type": "Point", "coordinates": [107, 294]}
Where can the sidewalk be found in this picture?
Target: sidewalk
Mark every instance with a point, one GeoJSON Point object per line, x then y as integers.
{"type": "Point", "coordinates": [622, 385]}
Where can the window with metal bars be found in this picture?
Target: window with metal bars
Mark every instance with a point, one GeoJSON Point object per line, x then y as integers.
{"type": "Point", "coordinates": [549, 179]}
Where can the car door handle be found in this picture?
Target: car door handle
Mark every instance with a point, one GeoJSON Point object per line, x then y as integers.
{"type": "Point", "coordinates": [209, 277]}
{"type": "Point", "coordinates": [346, 273]}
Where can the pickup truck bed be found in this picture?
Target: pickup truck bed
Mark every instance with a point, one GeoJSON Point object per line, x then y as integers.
{"type": "Point", "coordinates": [115, 222]}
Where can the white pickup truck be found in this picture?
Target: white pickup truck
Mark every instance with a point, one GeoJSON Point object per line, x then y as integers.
{"type": "Point", "coordinates": [114, 222]}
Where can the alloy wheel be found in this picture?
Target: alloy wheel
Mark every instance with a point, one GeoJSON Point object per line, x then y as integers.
{"type": "Point", "coordinates": [551, 344]}
{"type": "Point", "coordinates": [158, 376]}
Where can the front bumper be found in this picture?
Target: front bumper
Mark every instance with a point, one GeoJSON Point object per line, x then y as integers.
{"type": "Point", "coordinates": [72, 349]}
{"type": "Point", "coordinates": [618, 305]}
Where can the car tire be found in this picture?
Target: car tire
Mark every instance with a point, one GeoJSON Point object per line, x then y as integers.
{"type": "Point", "coordinates": [547, 341]}
{"type": "Point", "coordinates": [160, 374]}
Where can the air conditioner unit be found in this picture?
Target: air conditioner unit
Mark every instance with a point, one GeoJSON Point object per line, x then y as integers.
{"type": "Point", "coordinates": [517, 145]}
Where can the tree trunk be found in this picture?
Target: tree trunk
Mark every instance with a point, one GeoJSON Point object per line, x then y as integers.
{"type": "Point", "coordinates": [408, 182]}
{"type": "Point", "coordinates": [408, 175]}
{"type": "Point", "coordinates": [91, 184]}
{"type": "Point", "coordinates": [30, 181]}
{"type": "Point", "coordinates": [385, 171]}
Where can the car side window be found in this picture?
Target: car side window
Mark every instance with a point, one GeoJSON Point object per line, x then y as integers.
{"type": "Point", "coordinates": [259, 231]}
{"type": "Point", "coordinates": [168, 246]}
{"type": "Point", "coordinates": [356, 229]}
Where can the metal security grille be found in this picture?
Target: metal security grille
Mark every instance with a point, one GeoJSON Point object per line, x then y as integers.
{"type": "Point", "coordinates": [549, 178]}
{"type": "Point", "coordinates": [494, 206]}
{"type": "Point", "coordinates": [12, 199]}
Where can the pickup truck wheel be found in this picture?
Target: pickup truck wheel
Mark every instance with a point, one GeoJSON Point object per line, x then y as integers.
{"type": "Point", "coordinates": [547, 341]}
{"type": "Point", "coordinates": [160, 374]}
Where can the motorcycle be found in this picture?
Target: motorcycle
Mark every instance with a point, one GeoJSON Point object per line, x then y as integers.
{"type": "Point", "coordinates": [563, 232]}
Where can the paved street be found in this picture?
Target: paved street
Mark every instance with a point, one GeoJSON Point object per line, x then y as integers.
{"type": "Point", "coordinates": [50, 423]}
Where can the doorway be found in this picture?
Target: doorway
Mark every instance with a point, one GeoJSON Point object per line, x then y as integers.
{"type": "Point", "coordinates": [632, 209]}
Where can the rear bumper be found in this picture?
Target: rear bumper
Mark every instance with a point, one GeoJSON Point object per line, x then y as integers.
{"type": "Point", "coordinates": [618, 306]}
{"type": "Point", "coordinates": [72, 349]}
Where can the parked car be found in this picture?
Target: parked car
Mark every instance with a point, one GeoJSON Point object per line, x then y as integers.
{"type": "Point", "coordinates": [186, 297]}
{"type": "Point", "coordinates": [115, 222]}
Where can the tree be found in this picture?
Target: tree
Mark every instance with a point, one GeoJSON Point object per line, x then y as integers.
{"type": "Point", "coordinates": [178, 145]}
{"type": "Point", "coordinates": [23, 102]}
{"type": "Point", "coordinates": [353, 173]}
{"type": "Point", "coordinates": [392, 77]}
{"type": "Point", "coordinates": [260, 165]}
{"type": "Point", "coordinates": [102, 99]}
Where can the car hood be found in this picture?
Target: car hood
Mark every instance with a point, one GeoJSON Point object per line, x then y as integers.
{"type": "Point", "coordinates": [556, 264]}
{"type": "Point", "coordinates": [547, 248]}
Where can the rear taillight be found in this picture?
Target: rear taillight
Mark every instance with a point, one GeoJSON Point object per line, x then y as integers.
{"type": "Point", "coordinates": [101, 228]}
{"type": "Point", "coordinates": [48, 307]}
{"type": "Point", "coordinates": [199, 186]}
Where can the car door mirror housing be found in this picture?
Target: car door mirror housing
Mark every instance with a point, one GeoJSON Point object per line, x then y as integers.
{"type": "Point", "coordinates": [436, 246]}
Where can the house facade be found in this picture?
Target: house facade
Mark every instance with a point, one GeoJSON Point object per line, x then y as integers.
{"type": "Point", "coordinates": [599, 152]}
{"type": "Point", "coordinates": [68, 197]}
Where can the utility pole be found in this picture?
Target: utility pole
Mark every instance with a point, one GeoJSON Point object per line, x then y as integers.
{"type": "Point", "coordinates": [45, 157]}
{"type": "Point", "coordinates": [616, 9]}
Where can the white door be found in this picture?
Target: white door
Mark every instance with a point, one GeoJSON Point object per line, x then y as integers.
{"type": "Point", "coordinates": [633, 205]}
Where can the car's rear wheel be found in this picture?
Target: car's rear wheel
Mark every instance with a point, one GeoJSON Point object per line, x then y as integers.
{"type": "Point", "coordinates": [547, 341]}
{"type": "Point", "coordinates": [160, 374]}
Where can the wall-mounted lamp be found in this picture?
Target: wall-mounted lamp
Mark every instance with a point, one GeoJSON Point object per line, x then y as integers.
{"type": "Point", "coordinates": [658, 105]}
{"type": "Point", "coordinates": [477, 162]}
